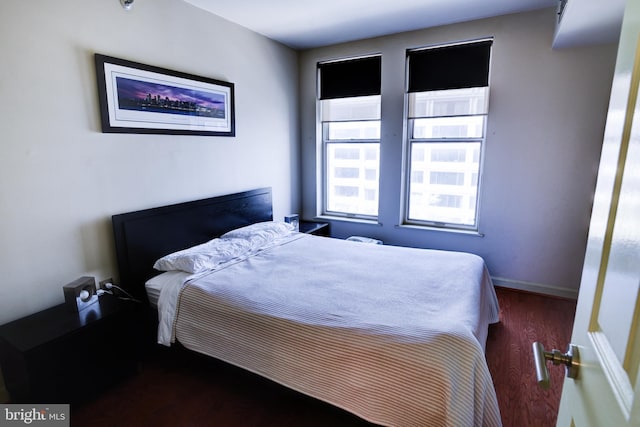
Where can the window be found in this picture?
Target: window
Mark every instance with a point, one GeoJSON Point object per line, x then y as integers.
{"type": "Point", "coordinates": [349, 100]}
{"type": "Point", "coordinates": [448, 93]}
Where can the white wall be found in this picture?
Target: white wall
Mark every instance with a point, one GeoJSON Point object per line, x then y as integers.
{"type": "Point", "coordinates": [61, 179]}
{"type": "Point", "coordinates": [545, 128]}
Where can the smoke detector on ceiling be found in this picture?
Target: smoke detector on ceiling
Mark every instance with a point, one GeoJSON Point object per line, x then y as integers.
{"type": "Point", "coordinates": [126, 4]}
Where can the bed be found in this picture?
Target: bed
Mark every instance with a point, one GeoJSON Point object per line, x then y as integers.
{"type": "Point", "coordinates": [394, 335]}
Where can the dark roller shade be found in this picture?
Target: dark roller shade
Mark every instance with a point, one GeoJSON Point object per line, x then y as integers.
{"type": "Point", "coordinates": [355, 77]}
{"type": "Point", "coordinates": [450, 67]}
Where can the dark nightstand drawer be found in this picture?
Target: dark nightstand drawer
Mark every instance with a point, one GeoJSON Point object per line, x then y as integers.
{"type": "Point", "coordinates": [60, 356]}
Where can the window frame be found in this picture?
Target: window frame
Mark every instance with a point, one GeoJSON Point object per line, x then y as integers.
{"type": "Point", "coordinates": [323, 178]}
{"type": "Point", "coordinates": [409, 142]}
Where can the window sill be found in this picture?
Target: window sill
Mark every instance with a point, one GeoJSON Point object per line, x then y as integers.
{"type": "Point", "coordinates": [346, 219]}
{"type": "Point", "coordinates": [444, 230]}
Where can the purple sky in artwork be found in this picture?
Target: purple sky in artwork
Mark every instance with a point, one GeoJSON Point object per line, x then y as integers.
{"type": "Point", "coordinates": [136, 89]}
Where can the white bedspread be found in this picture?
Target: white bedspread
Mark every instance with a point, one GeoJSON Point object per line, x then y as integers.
{"type": "Point", "coordinates": [395, 335]}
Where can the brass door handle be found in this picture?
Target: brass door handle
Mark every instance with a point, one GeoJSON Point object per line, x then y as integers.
{"type": "Point", "coordinates": [570, 360]}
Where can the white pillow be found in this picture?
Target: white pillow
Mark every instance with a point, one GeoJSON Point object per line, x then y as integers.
{"type": "Point", "coordinates": [202, 257]}
{"type": "Point", "coordinates": [261, 231]}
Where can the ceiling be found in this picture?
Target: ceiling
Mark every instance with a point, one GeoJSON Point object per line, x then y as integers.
{"type": "Point", "coordinates": [304, 24]}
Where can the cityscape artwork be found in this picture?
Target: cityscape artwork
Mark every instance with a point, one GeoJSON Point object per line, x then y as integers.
{"type": "Point", "coordinates": [138, 98]}
{"type": "Point", "coordinates": [139, 95]}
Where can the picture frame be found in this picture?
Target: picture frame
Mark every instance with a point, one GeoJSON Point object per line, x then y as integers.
{"type": "Point", "coordinates": [140, 98]}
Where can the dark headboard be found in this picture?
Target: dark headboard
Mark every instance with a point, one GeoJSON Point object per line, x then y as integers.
{"type": "Point", "coordinates": [142, 237]}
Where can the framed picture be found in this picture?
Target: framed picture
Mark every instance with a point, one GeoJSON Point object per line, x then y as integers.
{"type": "Point", "coordinates": [139, 98]}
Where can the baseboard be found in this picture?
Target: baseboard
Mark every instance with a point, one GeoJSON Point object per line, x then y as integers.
{"type": "Point", "coordinates": [536, 287]}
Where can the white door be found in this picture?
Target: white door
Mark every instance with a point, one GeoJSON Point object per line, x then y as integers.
{"type": "Point", "coordinates": [606, 331]}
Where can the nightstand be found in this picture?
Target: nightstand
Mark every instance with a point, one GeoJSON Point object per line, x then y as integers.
{"type": "Point", "coordinates": [317, 228]}
{"type": "Point", "coordinates": [62, 356]}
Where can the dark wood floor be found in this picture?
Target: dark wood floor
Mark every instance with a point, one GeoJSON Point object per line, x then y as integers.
{"type": "Point", "coordinates": [525, 318]}
{"type": "Point", "coordinates": [180, 388]}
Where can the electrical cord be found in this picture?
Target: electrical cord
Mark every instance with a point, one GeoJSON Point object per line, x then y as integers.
{"type": "Point", "coordinates": [129, 297]}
